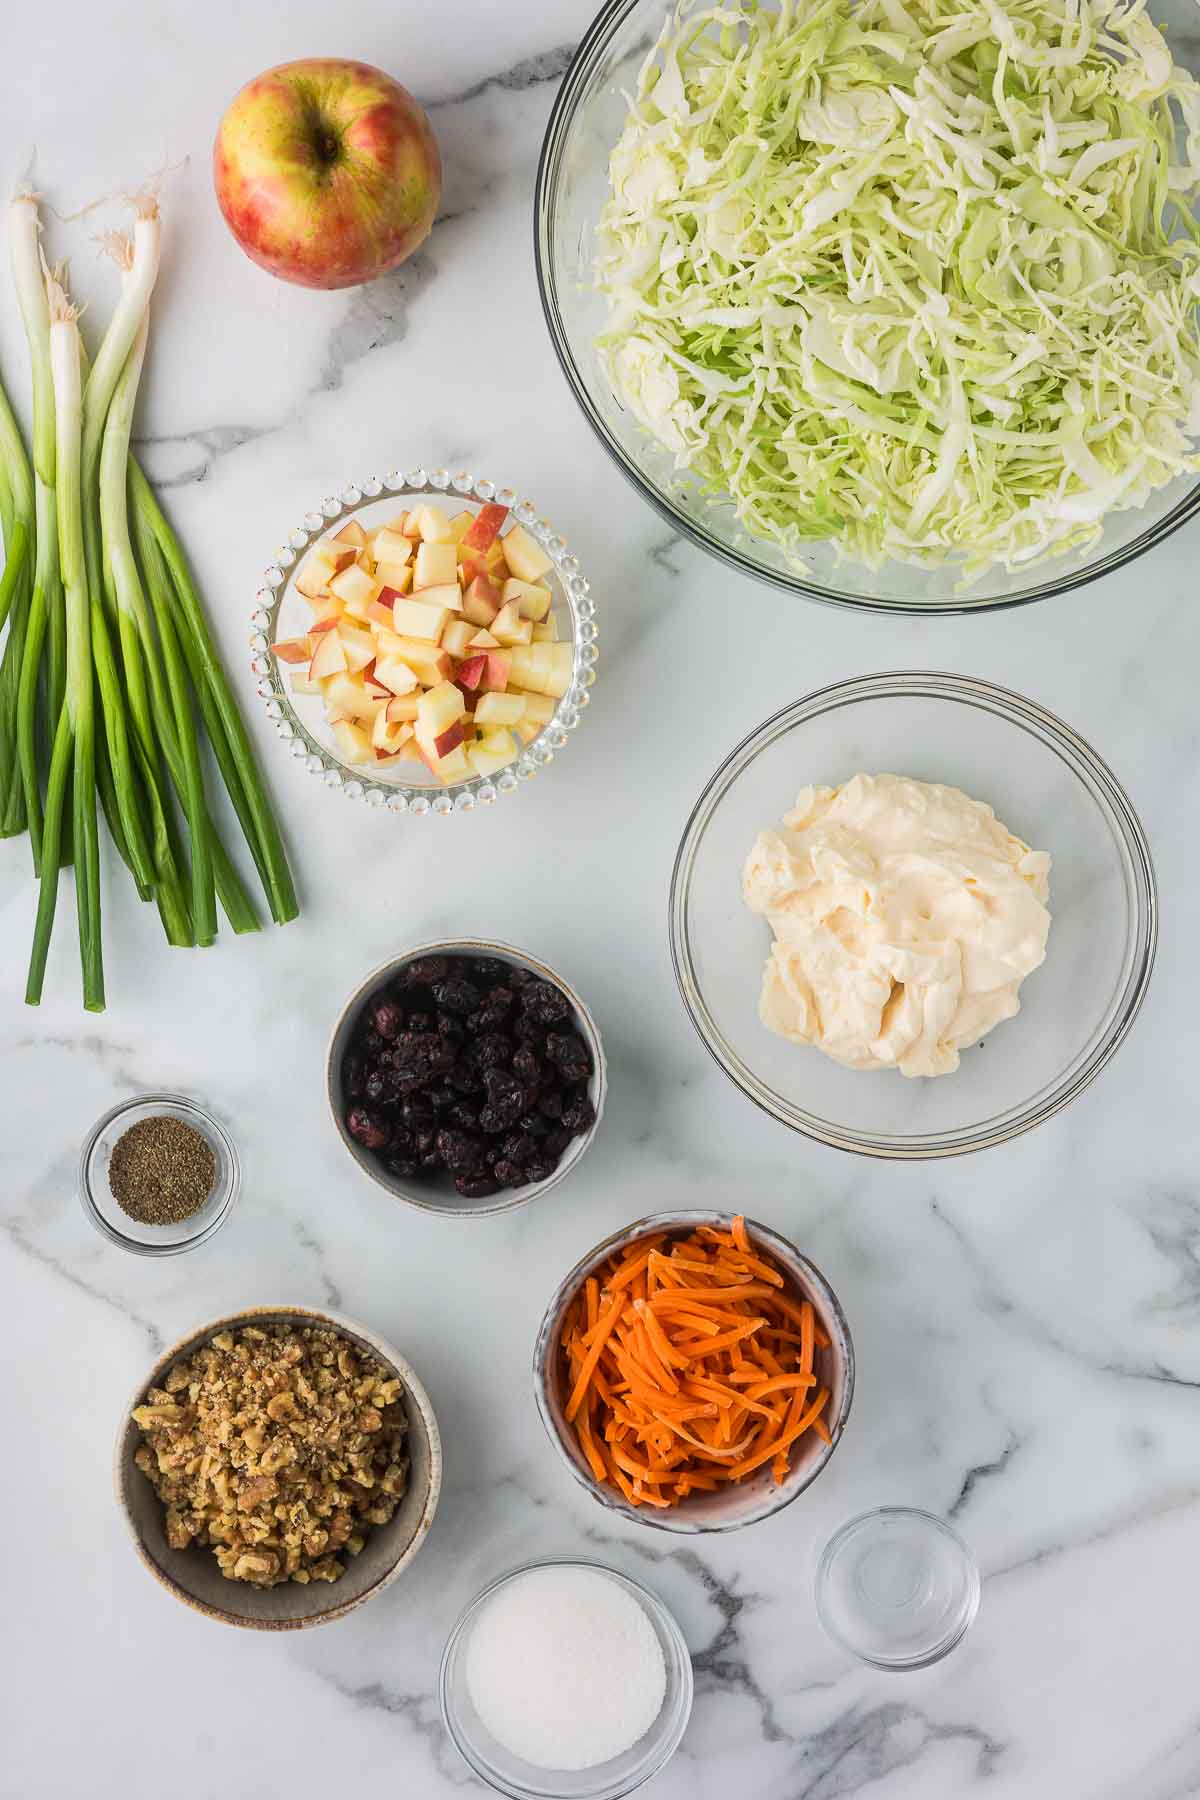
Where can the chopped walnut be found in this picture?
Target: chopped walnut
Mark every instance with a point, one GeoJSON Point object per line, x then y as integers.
{"type": "Point", "coordinates": [279, 1447]}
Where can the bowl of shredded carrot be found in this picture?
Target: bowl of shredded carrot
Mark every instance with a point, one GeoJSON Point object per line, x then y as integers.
{"type": "Point", "coordinates": [695, 1371]}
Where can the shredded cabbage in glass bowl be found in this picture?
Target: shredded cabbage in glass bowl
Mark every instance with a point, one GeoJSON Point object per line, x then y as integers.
{"type": "Point", "coordinates": [895, 286]}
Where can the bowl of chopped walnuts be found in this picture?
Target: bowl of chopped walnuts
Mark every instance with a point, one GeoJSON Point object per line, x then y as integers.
{"type": "Point", "coordinates": [278, 1467]}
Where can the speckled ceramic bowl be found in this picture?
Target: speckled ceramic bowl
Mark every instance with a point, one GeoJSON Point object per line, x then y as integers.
{"type": "Point", "coordinates": [757, 1497]}
{"type": "Point", "coordinates": [193, 1576]}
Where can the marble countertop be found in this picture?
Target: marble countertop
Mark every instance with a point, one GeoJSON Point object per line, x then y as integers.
{"type": "Point", "coordinates": [1027, 1321]}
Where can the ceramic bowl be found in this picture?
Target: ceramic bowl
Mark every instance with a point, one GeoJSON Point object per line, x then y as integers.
{"type": "Point", "coordinates": [438, 1194]}
{"type": "Point", "coordinates": [192, 1575]}
{"type": "Point", "coordinates": [745, 1502]}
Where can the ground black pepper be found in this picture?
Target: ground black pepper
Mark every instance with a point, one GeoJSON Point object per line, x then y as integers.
{"type": "Point", "coordinates": [161, 1171]}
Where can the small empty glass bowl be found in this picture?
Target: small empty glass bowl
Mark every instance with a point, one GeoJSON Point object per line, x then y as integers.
{"type": "Point", "coordinates": [100, 1203]}
{"type": "Point", "coordinates": [1048, 786]}
{"type": "Point", "coordinates": [509, 1774]}
{"type": "Point", "coordinates": [281, 612]}
{"type": "Point", "coordinates": [897, 1588]}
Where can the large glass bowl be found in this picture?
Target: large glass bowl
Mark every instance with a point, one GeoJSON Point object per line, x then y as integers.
{"type": "Point", "coordinates": [572, 185]}
{"type": "Point", "coordinates": [281, 612]}
{"type": "Point", "coordinates": [1049, 787]}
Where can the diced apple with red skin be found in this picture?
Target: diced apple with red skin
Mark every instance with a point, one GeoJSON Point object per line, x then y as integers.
{"type": "Point", "coordinates": [320, 566]}
{"type": "Point", "coordinates": [483, 530]}
{"type": "Point", "coordinates": [481, 602]}
{"type": "Point", "coordinates": [436, 566]}
{"type": "Point", "coordinates": [388, 734]}
{"type": "Point", "coordinates": [470, 672]}
{"type": "Point", "coordinates": [492, 752]}
{"type": "Point", "coordinates": [499, 670]}
{"type": "Point", "coordinates": [510, 627]}
{"type": "Point", "coordinates": [351, 533]}
{"type": "Point", "coordinates": [456, 637]}
{"type": "Point", "coordinates": [294, 650]}
{"type": "Point", "coordinates": [348, 696]}
{"type": "Point", "coordinates": [393, 673]}
{"type": "Point", "coordinates": [417, 619]}
{"type": "Point", "coordinates": [532, 600]}
{"type": "Point", "coordinates": [358, 645]}
{"type": "Point", "coordinates": [329, 619]}
{"type": "Point", "coordinates": [440, 708]}
{"type": "Point", "coordinates": [403, 709]}
{"type": "Point", "coordinates": [432, 525]}
{"type": "Point", "coordinates": [380, 614]}
{"type": "Point", "coordinates": [526, 560]}
{"type": "Point", "coordinates": [372, 683]}
{"type": "Point", "coordinates": [354, 586]}
{"type": "Point", "coordinates": [354, 746]}
{"type": "Point", "coordinates": [500, 709]}
{"type": "Point", "coordinates": [329, 657]}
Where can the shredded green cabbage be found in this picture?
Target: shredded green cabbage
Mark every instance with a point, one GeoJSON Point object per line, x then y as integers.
{"type": "Point", "coordinates": [916, 276]}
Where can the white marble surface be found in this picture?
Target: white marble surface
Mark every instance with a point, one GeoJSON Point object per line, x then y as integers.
{"type": "Point", "coordinates": [1028, 1322]}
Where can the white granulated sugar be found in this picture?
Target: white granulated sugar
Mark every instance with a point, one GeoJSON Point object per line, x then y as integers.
{"type": "Point", "coordinates": [565, 1669]}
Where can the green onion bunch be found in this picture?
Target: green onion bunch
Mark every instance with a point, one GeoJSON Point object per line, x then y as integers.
{"type": "Point", "coordinates": [110, 682]}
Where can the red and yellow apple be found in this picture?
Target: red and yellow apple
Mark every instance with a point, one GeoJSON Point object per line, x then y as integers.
{"type": "Point", "coordinates": [327, 172]}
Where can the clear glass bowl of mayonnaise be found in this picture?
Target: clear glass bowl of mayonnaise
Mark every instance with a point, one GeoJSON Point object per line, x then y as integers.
{"type": "Point", "coordinates": [1049, 787]}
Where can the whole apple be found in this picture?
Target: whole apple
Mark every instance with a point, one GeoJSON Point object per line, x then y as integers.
{"type": "Point", "coordinates": [327, 172]}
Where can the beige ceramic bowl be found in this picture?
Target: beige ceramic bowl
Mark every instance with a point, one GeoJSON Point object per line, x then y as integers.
{"type": "Point", "coordinates": [193, 1576]}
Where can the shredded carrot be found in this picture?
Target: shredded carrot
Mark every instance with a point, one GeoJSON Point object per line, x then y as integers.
{"type": "Point", "coordinates": [690, 1363]}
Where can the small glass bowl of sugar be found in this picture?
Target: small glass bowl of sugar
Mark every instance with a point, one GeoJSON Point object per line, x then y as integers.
{"type": "Point", "coordinates": [564, 1680]}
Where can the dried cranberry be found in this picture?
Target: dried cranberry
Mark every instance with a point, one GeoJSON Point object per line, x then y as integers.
{"type": "Point", "coordinates": [476, 1187]}
{"type": "Point", "coordinates": [554, 1143]}
{"type": "Point", "coordinates": [492, 1050]}
{"type": "Point", "coordinates": [460, 1151]}
{"type": "Point", "coordinates": [466, 1117]}
{"type": "Point", "coordinates": [465, 1080]}
{"type": "Point", "coordinates": [510, 1173]}
{"type": "Point", "coordinates": [545, 1003]}
{"type": "Point", "coordinates": [550, 1104]}
{"type": "Point", "coordinates": [417, 1111]}
{"type": "Point", "coordinates": [373, 1086]}
{"type": "Point", "coordinates": [442, 1098]}
{"type": "Point", "coordinates": [425, 971]}
{"type": "Point", "coordinates": [421, 1021]}
{"type": "Point", "coordinates": [569, 1054]}
{"type": "Point", "coordinates": [500, 1115]}
{"type": "Point", "coordinates": [432, 1159]}
{"type": "Point", "coordinates": [501, 1084]}
{"type": "Point", "coordinates": [354, 1074]}
{"type": "Point", "coordinates": [387, 1019]}
{"type": "Point", "coordinates": [519, 978]}
{"type": "Point", "coordinates": [366, 1129]}
{"type": "Point", "coordinates": [456, 995]}
{"type": "Point", "coordinates": [423, 1139]}
{"type": "Point", "coordinates": [402, 1167]}
{"type": "Point", "coordinates": [488, 1018]}
{"type": "Point", "coordinates": [528, 1031]}
{"type": "Point", "coordinates": [539, 1171]}
{"type": "Point", "coordinates": [527, 1064]}
{"type": "Point", "coordinates": [534, 1124]}
{"type": "Point", "coordinates": [487, 969]}
{"type": "Point", "coordinates": [519, 1146]}
{"type": "Point", "coordinates": [451, 1029]}
{"type": "Point", "coordinates": [372, 1044]}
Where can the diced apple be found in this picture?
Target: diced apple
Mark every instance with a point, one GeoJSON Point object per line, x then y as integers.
{"type": "Point", "coordinates": [431, 664]}
{"type": "Point", "coordinates": [448, 595]}
{"type": "Point", "coordinates": [304, 684]}
{"type": "Point", "coordinates": [381, 615]}
{"type": "Point", "coordinates": [432, 525]}
{"type": "Point", "coordinates": [539, 708]}
{"type": "Point", "coordinates": [483, 640]}
{"type": "Point", "coordinates": [500, 709]}
{"type": "Point", "coordinates": [526, 560]}
{"type": "Point", "coordinates": [358, 645]}
{"type": "Point", "coordinates": [417, 619]}
{"type": "Point", "coordinates": [456, 636]}
{"type": "Point", "coordinates": [435, 566]}
{"type": "Point", "coordinates": [354, 746]}
{"type": "Point", "coordinates": [373, 685]}
{"type": "Point", "coordinates": [394, 577]}
{"type": "Point", "coordinates": [329, 657]}
{"type": "Point", "coordinates": [460, 524]}
{"type": "Point", "coordinates": [439, 709]}
{"type": "Point", "coordinates": [388, 734]}
{"type": "Point", "coordinates": [351, 533]}
{"type": "Point", "coordinates": [532, 600]}
{"type": "Point", "coordinates": [450, 739]}
{"type": "Point", "coordinates": [348, 696]}
{"type": "Point", "coordinates": [329, 620]}
{"type": "Point", "coordinates": [387, 546]}
{"type": "Point", "coordinates": [481, 601]}
{"type": "Point", "coordinates": [393, 673]}
{"type": "Point", "coordinates": [492, 752]}
{"type": "Point", "coordinates": [319, 567]}
{"type": "Point", "coordinates": [403, 709]}
{"type": "Point", "coordinates": [562, 668]}
{"type": "Point", "coordinates": [510, 627]}
{"type": "Point", "coordinates": [527, 730]}
{"type": "Point", "coordinates": [499, 666]}
{"type": "Point", "coordinates": [296, 650]}
{"type": "Point", "coordinates": [546, 631]}
{"type": "Point", "coordinates": [470, 672]}
{"type": "Point", "coordinates": [484, 528]}
{"type": "Point", "coordinates": [354, 585]}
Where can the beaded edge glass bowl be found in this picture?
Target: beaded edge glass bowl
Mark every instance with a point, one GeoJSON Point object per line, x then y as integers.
{"type": "Point", "coordinates": [412, 794]}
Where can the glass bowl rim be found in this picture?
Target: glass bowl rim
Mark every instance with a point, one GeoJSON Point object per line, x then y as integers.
{"type": "Point", "coordinates": [675, 1220]}
{"type": "Point", "coordinates": [664, 1619]}
{"type": "Point", "coordinates": [508, 1200]}
{"type": "Point", "coordinates": [1088, 767]}
{"type": "Point", "coordinates": [212, 1126]}
{"type": "Point", "coordinates": [421, 800]}
{"type": "Point", "coordinates": [899, 1665]}
{"type": "Point", "coordinates": [562, 114]}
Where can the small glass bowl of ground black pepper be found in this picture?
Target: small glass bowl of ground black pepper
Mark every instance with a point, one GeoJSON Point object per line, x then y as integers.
{"type": "Point", "coordinates": [158, 1175]}
{"type": "Point", "coordinates": [466, 1077]}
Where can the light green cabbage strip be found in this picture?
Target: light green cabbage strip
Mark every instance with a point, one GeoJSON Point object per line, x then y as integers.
{"type": "Point", "coordinates": [917, 276]}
